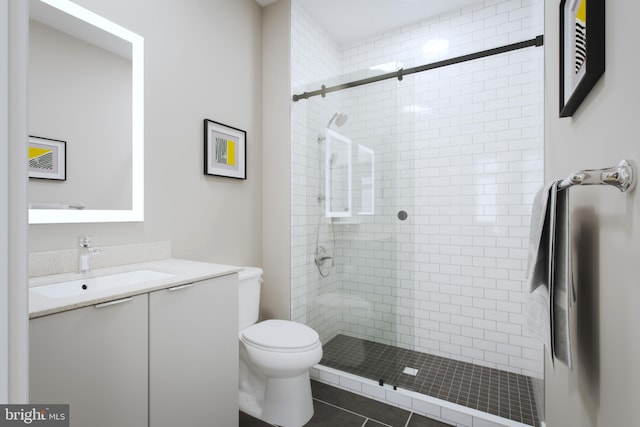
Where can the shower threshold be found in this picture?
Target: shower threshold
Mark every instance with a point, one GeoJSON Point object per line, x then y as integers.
{"type": "Point", "coordinates": [466, 391]}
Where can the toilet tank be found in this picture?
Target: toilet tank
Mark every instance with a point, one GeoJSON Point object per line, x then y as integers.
{"type": "Point", "coordinates": [250, 280]}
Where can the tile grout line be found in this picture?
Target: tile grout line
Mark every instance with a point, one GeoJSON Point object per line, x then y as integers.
{"type": "Point", "coordinates": [439, 377]}
{"type": "Point", "coordinates": [532, 402]}
{"type": "Point", "coordinates": [408, 419]}
{"type": "Point", "coordinates": [354, 413]}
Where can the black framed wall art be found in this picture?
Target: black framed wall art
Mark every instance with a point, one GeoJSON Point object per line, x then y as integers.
{"type": "Point", "coordinates": [582, 46]}
{"type": "Point", "coordinates": [47, 158]}
{"type": "Point", "coordinates": [225, 150]}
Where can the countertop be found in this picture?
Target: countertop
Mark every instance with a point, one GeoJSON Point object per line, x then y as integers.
{"type": "Point", "coordinates": [182, 272]}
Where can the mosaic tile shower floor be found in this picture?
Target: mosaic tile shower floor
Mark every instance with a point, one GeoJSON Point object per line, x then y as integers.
{"type": "Point", "coordinates": [490, 390]}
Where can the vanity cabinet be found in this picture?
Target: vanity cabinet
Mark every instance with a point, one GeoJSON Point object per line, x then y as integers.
{"type": "Point", "coordinates": [168, 357]}
{"type": "Point", "coordinates": [95, 359]}
{"type": "Point", "coordinates": [193, 354]}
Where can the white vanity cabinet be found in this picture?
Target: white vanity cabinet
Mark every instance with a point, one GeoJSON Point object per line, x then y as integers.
{"type": "Point", "coordinates": [95, 359]}
{"type": "Point", "coordinates": [193, 354]}
{"type": "Point", "coordinates": [167, 356]}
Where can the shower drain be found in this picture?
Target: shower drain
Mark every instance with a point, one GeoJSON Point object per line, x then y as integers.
{"type": "Point", "coordinates": [410, 371]}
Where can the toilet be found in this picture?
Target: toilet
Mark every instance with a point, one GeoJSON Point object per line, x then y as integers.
{"type": "Point", "coordinates": [275, 358]}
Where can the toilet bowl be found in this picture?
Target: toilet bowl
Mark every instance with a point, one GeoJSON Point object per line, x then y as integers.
{"type": "Point", "coordinates": [275, 358]}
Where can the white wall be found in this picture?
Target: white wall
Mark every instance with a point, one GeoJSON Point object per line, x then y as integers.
{"type": "Point", "coordinates": [203, 59]}
{"type": "Point", "coordinates": [460, 149]}
{"type": "Point", "coordinates": [602, 390]}
{"type": "Point", "coordinates": [4, 203]}
{"type": "Point", "coordinates": [14, 343]}
{"type": "Point", "coordinates": [276, 106]}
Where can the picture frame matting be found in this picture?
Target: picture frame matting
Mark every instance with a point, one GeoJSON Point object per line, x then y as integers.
{"type": "Point", "coordinates": [225, 150]}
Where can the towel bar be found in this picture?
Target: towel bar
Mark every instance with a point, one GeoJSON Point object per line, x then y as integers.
{"type": "Point", "coordinates": [620, 176]}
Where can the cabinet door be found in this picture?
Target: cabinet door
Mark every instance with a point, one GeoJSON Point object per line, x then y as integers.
{"type": "Point", "coordinates": [193, 354]}
{"type": "Point", "coordinates": [95, 359]}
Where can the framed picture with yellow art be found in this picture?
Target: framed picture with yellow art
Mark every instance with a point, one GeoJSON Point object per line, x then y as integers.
{"type": "Point", "coordinates": [225, 150]}
{"type": "Point", "coordinates": [581, 51]}
{"type": "Point", "coordinates": [47, 158]}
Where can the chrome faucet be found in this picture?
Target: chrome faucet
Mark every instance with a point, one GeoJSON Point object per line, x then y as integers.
{"type": "Point", "coordinates": [84, 258]}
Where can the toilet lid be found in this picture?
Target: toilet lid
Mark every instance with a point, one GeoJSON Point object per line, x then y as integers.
{"type": "Point", "coordinates": [280, 335]}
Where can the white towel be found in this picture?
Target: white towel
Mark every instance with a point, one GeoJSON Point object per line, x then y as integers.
{"type": "Point", "coordinates": [537, 312]}
{"type": "Point", "coordinates": [561, 280]}
{"type": "Point", "coordinates": [549, 272]}
{"type": "Point", "coordinates": [537, 257]}
{"type": "Point", "coordinates": [537, 316]}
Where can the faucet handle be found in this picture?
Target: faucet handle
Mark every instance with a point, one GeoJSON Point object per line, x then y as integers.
{"type": "Point", "coordinates": [84, 241]}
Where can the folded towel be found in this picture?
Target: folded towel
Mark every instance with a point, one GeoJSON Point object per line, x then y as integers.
{"type": "Point", "coordinates": [537, 317]}
{"type": "Point", "coordinates": [561, 280]}
{"type": "Point", "coordinates": [549, 272]}
{"type": "Point", "coordinates": [539, 233]}
{"type": "Point", "coordinates": [537, 313]}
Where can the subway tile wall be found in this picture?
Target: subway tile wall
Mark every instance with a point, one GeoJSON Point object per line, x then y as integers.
{"type": "Point", "coordinates": [315, 58]}
{"type": "Point", "coordinates": [460, 150]}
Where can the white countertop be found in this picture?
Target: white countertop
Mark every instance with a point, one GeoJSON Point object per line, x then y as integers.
{"type": "Point", "coordinates": [182, 272]}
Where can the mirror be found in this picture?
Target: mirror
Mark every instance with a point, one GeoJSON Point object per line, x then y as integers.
{"type": "Point", "coordinates": [86, 94]}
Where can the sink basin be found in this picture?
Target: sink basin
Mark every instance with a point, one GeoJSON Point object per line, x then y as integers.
{"type": "Point", "coordinates": [98, 283]}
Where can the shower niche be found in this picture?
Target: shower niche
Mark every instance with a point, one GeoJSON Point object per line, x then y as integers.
{"type": "Point", "coordinates": [365, 178]}
{"type": "Point", "coordinates": [337, 173]}
{"type": "Point", "coordinates": [349, 189]}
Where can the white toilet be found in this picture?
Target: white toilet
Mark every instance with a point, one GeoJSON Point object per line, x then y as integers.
{"type": "Point", "coordinates": [275, 358]}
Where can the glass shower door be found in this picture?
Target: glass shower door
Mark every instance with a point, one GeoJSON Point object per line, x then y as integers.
{"type": "Point", "coordinates": [353, 196]}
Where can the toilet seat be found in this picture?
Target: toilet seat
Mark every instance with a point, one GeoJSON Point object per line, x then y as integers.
{"type": "Point", "coordinates": [281, 336]}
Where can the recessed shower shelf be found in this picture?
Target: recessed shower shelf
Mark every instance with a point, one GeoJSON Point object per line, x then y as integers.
{"type": "Point", "coordinates": [346, 221]}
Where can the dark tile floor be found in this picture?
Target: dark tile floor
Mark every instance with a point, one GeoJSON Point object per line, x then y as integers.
{"type": "Point", "coordinates": [497, 392]}
{"type": "Point", "coordinates": [334, 407]}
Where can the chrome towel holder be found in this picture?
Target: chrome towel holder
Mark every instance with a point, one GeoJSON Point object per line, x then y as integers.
{"type": "Point", "coordinates": [621, 176]}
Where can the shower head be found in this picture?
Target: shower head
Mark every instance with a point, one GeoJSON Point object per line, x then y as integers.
{"type": "Point", "coordinates": [339, 119]}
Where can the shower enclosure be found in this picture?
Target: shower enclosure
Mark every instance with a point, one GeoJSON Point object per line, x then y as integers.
{"type": "Point", "coordinates": [411, 200]}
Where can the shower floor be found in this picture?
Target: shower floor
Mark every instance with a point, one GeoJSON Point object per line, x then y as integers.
{"type": "Point", "coordinates": [490, 390]}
